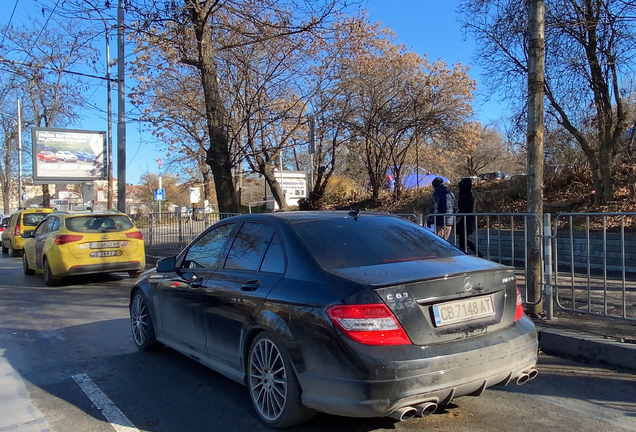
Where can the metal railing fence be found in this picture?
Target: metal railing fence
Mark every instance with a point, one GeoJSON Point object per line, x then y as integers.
{"type": "Point", "coordinates": [174, 229]}
{"type": "Point", "coordinates": [592, 262]}
{"type": "Point", "coordinates": [499, 237]}
{"type": "Point", "coordinates": [588, 259]}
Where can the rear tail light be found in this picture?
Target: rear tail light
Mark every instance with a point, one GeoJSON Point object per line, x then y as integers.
{"type": "Point", "coordinates": [67, 238]}
{"type": "Point", "coordinates": [135, 234]}
{"type": "Point", "coordinates": [370, 324]}
{"type": "Point", "coordinates": [17, 231]}
{"type": "Point", "coordinates": [519, 308]}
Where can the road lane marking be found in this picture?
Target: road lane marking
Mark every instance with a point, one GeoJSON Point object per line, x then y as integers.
{"type": "Point", "coordinates": [115, 417]}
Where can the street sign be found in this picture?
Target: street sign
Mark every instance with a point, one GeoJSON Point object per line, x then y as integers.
{"type": "Point", "coordinates": [160, 194]}
{"type": "Point", "coordinates": [195, 195]}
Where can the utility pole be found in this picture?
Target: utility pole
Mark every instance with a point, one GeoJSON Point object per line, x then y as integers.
{"type": "Point", "coordinates": [109, 141]}
{"type": "Point", "coordinates": [121, 107]}
{"type": "Point", "coordinates": [536, 50]}
{"type": "Point", "coordinates": [19, 155]}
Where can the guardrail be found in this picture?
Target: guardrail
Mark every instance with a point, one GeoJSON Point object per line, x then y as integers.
{"type": "Point", "coordinates": [174, 229]}
{"type": "Point", "coordinates": [592, 258]}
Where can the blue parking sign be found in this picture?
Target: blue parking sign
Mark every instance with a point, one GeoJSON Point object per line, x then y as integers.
{"type": "Point", "coordinates": [160, 194]}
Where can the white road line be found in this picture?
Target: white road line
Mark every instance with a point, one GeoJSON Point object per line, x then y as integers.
{"type": "Point", "coordinates": [113, 414]}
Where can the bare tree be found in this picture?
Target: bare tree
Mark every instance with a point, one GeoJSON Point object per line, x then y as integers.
{"type": "Point", "coordinates": [37, 65]}
{"type": "Point", "coordinates": [589, 52]}
{"type": "Point", "coordinates": [400, 99]}
{"type": "Point", "coordinates": [203, 29]}
{"type": "Point", "coordinates": [172, 103]}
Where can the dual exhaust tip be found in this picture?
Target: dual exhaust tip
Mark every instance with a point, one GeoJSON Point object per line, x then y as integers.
{"type": "Point", "coordinates": [526, 376]}
{"type": "Point", "coordinates": [422, 410]}
{"type": "Point", "coordinates": [427, 408]}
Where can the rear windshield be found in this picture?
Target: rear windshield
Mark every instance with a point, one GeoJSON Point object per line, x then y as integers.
{"type": "Point", "coordinates": [5, 221]}
{"type": "Point", "coordinates": [344, 243]}
{"type": "Point", "coordinates": [98, 223]}
{"type": "Point", "coordinates": [32, 219]}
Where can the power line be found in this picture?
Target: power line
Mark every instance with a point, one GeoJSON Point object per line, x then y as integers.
{"type": "Point", "coordinates": [31, 65]}
{"type": "Point", "coordinates": [10, 19]}
{"type": "Point", "coordinates": [42, 29]}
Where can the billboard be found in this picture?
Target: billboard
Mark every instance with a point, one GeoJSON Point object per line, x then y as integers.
{"type": "Point", "coordinates": [65, 155]}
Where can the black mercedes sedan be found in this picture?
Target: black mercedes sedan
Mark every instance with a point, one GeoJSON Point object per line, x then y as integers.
{"type": "Point", "coordinates": [353, 314]}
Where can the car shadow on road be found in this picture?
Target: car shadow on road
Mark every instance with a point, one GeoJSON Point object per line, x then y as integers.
{"type": "Point", "coordinates": [566, 379]}
{"type": "Point", "coordinates": [157, 391]}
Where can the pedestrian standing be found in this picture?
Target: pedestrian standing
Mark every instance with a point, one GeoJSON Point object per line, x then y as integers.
{"type": "Point", "coordinates": [443, 203]}
{"type": "Point", "coordinates": [466, 224]}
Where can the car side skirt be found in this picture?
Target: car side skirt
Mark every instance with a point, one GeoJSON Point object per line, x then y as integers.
{"type": "Point", "coordinates": [215, 365]}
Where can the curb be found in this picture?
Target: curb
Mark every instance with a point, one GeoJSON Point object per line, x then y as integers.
{"type": "Point", "coordinates": [593, 349]}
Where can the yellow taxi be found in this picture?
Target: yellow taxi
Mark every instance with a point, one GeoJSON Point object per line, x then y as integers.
{"type": "Point", "coordinates": [75, 243]}
{"type": "Point", "coordinates": [20, 222]}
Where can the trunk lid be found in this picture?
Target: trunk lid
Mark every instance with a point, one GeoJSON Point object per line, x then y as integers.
{"type": "Point", "coordinates": [446, 299]}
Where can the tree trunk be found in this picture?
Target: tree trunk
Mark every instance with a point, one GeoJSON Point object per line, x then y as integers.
{"type": "Point", "coordinates": [606, 173]}
{"type": "Point", "coordinates": [631, 182]}
{"type": "Point", "coordinates": [46, 196]}
{"type": "Point", "coordinates": [274, 186]}
{"type": "Point", "coordinates": [6, 190]}
{"type": "Point", "coordinates": [205, 172]}
{"type": "Point", "coordinates": [218, 154]}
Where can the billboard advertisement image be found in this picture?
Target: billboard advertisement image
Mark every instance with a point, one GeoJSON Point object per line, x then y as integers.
{"type": "Point", "coordinates": [68, 155]}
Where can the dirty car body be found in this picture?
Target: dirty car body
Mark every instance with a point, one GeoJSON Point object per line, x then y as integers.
{"type": "Point", "coordinates": [374, 315]}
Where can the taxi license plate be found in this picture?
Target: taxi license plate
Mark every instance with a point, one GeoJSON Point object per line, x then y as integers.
{"type": "Point", "coordinates": [105, 244]}
{"type": "Point", "coordinates": [463, 310]}
{"type": "Point", "coordinates": [102, 254]}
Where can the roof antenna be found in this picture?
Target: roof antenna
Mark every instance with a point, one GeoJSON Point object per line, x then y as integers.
{"type": "Point", "coordinates": [355, 214]}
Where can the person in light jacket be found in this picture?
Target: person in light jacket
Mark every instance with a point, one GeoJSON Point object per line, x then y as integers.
{"type": "Point", "coordinates": [443, 203]}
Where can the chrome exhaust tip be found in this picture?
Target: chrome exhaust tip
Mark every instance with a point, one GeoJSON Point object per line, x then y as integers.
{"type": "Point", "coordinates": [522, 379]}
{"type": "Point", "coordinates": [402, 414]}
{"type": "Point", "coordinates": [532, 374]}
{"type": "Point", "coordinates": [425, 409]}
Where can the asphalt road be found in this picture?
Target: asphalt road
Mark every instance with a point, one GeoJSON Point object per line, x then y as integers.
{"type": "Point", "coordinates": [54, 339]}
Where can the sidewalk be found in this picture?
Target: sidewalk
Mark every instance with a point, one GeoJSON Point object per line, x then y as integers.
{"type": "Point", "coordinates": [589, 338]}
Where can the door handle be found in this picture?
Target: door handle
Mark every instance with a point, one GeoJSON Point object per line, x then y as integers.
{"type": "Point", "coordinates": [251, 285]}
{"type": "Point", "coordinates": [196, 282]}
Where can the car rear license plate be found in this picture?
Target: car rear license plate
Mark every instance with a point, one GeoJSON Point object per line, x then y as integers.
{"type": "Point", "coordinates": [463, 310]}
{"type": "Point", "coordinates": [103, 245]}
{"type": "Point", "coordinates": [102, 254]}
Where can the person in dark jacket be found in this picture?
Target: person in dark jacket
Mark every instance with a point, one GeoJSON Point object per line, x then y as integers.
{"type": "Point", "coordinates": [443, 203]}
{"type": "Point", "coordinates": [466, 224]}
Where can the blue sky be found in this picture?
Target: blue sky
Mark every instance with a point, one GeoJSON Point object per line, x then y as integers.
{"type": "Point", "coordinates": [425, 26]}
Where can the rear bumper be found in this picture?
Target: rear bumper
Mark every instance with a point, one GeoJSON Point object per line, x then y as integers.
{"type": "Point", "coordinates": [413, 375]}
{"type": "Point", "coordinates": [104, 268]}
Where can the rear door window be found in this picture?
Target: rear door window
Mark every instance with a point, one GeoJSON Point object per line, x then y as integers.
{"type": "Point", "coordinates": [249, 247]}
{"type": "Point", "coordinates": [274, 261]}
{"type": "Point", "coordinates": [98, 223]}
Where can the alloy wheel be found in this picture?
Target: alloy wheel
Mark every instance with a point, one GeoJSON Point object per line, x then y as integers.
{"type": "Point", "coordinates": [139, 318]}
{"type": "Point", "coordinates": [268, 379]}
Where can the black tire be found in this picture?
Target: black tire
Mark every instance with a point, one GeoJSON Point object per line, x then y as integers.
{"type": "Point", "coordinates": [25, 266]}
{"type": "Point", "coordinates": [143, 331]}
{"type": "Point", "coordinates": [4, 249]}
{"type": "Point", "coordinates": [13, 252]}
{"type": "Point", "coordinates": [275, 397]}
{"type": "Point", "coordinates": [49, 278]}
{"type": "Point", "coordinates": [134, 273]}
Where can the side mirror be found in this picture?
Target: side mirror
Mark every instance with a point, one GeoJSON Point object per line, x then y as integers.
{"type": "Point", "coordinates": [166, 265]}
{"type": "Point", "coordinates": [27, 234]}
